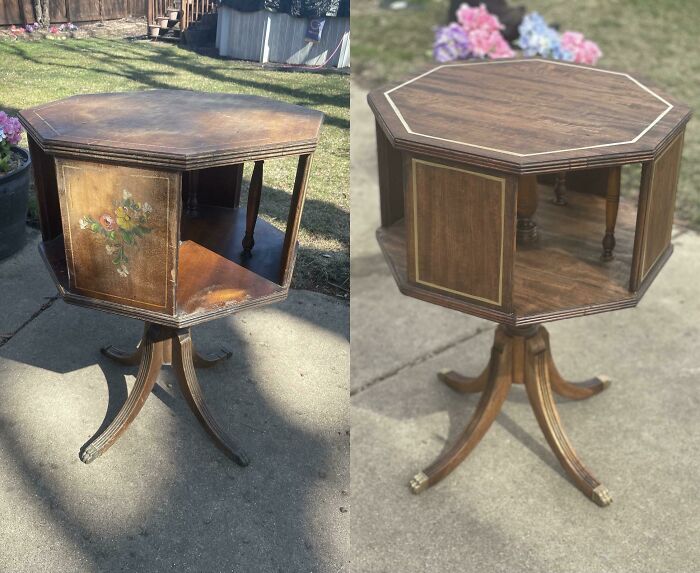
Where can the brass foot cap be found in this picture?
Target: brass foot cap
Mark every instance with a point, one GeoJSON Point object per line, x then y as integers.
{"type": "Point", "coordinates": [444, 374]}
{"type": "Point", "coordinates": [601, 496]}
{"type": "Point", "coordinates": [89, 454]}
{"type": "Point", "coordinates": [418, 483]}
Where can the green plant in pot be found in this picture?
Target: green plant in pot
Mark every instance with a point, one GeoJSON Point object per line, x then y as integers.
{"type": "Point", "coordinates": [14, 186]}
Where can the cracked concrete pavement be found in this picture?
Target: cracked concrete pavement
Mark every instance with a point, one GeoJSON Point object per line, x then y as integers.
{"type": "Point", "coordinates": [164, 498]}
{"type": "Point", "coordinates": [509, 506]}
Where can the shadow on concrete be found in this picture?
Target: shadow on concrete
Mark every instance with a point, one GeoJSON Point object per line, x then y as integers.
{"type": "Point", "coordinates": [210, 514]}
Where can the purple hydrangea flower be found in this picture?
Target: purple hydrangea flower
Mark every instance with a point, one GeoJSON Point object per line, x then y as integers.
{"type": "Point", "coordinates": [451, 43]}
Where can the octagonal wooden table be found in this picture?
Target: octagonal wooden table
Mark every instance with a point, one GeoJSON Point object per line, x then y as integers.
{"type": "Point", "coordinates": [139, 204]}
{"type": "Point", "coordinates": [500, 197]}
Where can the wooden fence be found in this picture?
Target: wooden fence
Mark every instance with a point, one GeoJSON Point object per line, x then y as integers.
{"type": "Point", "coordinates": [21, 12]}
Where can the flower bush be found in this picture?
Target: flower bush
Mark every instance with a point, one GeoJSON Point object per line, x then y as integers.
{"type": "Point", "coordinates": [477, 34]}
{"type": "Point", "coordinates": [10, 134]}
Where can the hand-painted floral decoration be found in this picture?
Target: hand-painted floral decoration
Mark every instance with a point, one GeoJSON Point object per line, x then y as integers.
{"type": "Point", "coordinates": [121, 228]}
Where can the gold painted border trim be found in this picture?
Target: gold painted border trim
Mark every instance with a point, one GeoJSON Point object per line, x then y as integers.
{"type": "Point", "coordinates": [71, 267]}
{"type": "Point", "coordinates": [679, 139]}
{"type": "Point", "coordinates": [494, 62]}
{"type": "Point", "coordinates": [502, 180]}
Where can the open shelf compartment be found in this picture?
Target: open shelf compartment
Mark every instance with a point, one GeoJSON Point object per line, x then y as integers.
{"type": "Point", "coordinates": [559, 276]}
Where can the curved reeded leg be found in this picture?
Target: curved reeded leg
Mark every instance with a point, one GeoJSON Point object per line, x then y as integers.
{"type": "Point", "coordinates": [184, 368]}
{"type": "Point", "coordinates": [539, 392]}
{"type": "Point", "coordinates": [464, 384]}
{"type": "Point", "coordinates": [151, 361]}
{"type": "Point", "coordinates": [127, 357]}
{"type": "Point", "coordinates": [497, 386]}
{"type": "Point", "coordinates": [210, 359]}
{"type": "Point", "coordinates": [572, 390]}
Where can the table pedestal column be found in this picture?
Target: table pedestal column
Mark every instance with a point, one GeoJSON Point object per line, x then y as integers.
{"type": "Point", "coordinates": [159, 346]}
{"type": "Point", "coordinates": [520, 355]}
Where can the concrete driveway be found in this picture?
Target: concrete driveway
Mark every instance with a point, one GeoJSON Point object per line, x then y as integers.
{"type": "Point", "coordinates": [164, 498]}
{"type": "Point", "coordinates": [509, 507]}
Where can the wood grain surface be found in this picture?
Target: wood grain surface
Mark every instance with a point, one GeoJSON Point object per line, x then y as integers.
{"type": "Point", "coordinates": [559, 276]}
{"type": "Point", "coordinates": [461, 231]}
{"type": "Point", "coordinates": [121, 232]}
{"type": "Point", "coordinates": [658, 199]}
{"type": "Point", "coordinates": [528, 115]}
{"type": "Point", "coordinates": [207, 281]}
{"type": "Point", "coordinates": [177, 129]}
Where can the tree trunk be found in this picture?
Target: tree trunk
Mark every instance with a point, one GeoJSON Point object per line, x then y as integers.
{"type": "Point", "coordinates": [46, 20]}
{"type": "Point", "coordinates": [37, 11]}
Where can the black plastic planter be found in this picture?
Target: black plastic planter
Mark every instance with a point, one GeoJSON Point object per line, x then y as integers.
{"type": "Point", "coordinates": [14, 196]}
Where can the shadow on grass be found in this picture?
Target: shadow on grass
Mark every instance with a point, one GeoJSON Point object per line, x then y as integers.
{"type": "Point", "coordinates": [130, 62]}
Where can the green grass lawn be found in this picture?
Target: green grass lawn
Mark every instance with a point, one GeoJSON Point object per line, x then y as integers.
{"type": "Point", "coordinates": [34, 72]}
{"type": "Point", "coordinates": [655, 39]}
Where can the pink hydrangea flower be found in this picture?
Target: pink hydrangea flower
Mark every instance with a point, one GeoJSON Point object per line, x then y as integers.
{"type": "Point", "coordinates": [11, 127]}
{"type": "Point", "coordinates": [483, 32]}
{"type": "Point", "coordinates": [489, 44]}
{"type": "Point", "coordinates": [478, 18]}
{"type": "Point", "coordinates": [582, 51]}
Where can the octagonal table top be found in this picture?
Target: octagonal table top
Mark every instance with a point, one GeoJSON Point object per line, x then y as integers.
{"type": "Point", "coordinates": [173, 128]}
{"type": "Point", "coordinates": [528, 115]}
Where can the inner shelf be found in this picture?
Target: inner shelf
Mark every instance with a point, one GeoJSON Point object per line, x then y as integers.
{"type": "Point", "coordinates": [561, 274]}
{"type": "Point", "coordinates": [221, 230]}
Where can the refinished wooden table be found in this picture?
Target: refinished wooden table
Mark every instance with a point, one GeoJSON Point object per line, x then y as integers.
{"type": "Point", "coordinates": [468, 154]}
{"type": "Point", "coordinates": [139, 199]}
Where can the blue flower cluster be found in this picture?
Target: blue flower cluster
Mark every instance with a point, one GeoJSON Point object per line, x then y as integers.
{"type": "Point", "coordinates": [451, 43]}
{"type": "Point", "coordinates": [539, 39]}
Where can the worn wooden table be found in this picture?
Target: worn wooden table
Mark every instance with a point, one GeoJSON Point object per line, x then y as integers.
{"type": "Point", "coordinates": [474, 164]}
{"type": "Point", "coordinates": [139, 199]}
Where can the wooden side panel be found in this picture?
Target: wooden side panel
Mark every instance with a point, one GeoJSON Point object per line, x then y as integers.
{"type": "Point", "coordinates": [219, 186]}
{"type": "Point", "coordinates": [657, 200]}
{"type": "Point", "coordinates": [391, 186]}
{"type": "Point", "coordinates": [593, 181]}
{"type": "Point", "coordinates": [461, 232]}
{"type": "Point", "coordinates": [120, 226]}
{"type": "Point", "coordinates": [44, 170]}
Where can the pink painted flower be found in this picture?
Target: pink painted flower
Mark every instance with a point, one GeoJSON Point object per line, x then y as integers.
{"type": "Point", "coordinates": [107, 222]}
{"type": "Point", "coordinates": [582, 51]}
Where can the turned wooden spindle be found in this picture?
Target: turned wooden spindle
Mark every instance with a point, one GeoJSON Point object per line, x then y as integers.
{"type": "Point", "coordinates": [560, 189]}
{"type": "Point", "coordinates": [253, 206]}
{"type": "Point", "coordinates": [527, 206]}
{"type": "Point", "coordinates": [612, 200]}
